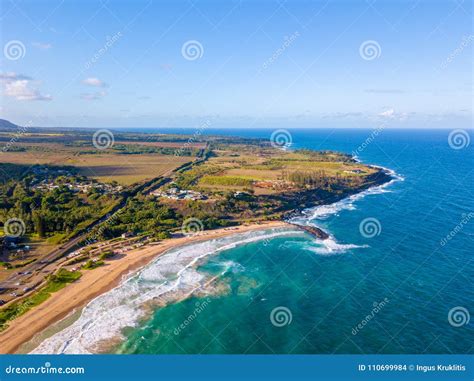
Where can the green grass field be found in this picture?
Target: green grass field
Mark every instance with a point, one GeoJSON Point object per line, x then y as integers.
{"type": "Point", "coordinates": [54, 283]}
{"type": "Point", "coordinates": [267, 170]}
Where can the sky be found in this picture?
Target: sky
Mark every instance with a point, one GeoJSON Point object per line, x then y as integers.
{"type": "Point", "coordinates": [329, 63]}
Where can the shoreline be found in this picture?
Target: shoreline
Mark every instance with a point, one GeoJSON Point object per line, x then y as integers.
{"type": "Point", "coordinates": [93, 283]}
{"type": "Point", "coordinates": [100, 280]}
{"type": "Point", "coordinates": [382, 178]}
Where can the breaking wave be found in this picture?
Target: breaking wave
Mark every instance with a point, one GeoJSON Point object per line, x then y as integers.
{"type": "Point", "coordinates": [322, 212]}
{"type": "Point", "coordinates": [171, 277]}
{"type": "Point", "coordinates": [310, 216]}
{"type": "Point", "coordinates": [329, 246]}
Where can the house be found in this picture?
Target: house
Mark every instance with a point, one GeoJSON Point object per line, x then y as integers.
{"type": "Point", "coordinates": [176, 194]}
{"type": "Point", "coordinates": [240, 194]}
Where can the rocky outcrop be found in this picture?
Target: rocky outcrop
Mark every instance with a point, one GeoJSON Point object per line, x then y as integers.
{"type": "Point", "coordinates": [313, 230]}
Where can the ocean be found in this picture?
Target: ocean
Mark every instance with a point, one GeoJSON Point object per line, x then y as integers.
{"type": "Point", "coordinates": [396, 276]}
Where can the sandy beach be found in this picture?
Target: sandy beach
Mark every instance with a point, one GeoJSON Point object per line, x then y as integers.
{"type": "Point", "coordinates": [97, 281]}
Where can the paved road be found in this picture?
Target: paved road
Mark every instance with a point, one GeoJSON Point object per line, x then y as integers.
{"type": "Point", "coordinates": [29, 277]}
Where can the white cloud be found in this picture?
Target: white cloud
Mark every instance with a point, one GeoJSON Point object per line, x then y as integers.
{"type": "Point", "coordinates": [21, 91]}
{"type": "Point", "coordinates": [42, 45]}
{"type": "Point", "coordinates": [92, 81]}
{"type": "Point", "coordinates": [390, 113]}
{"type": "Point", "coordinates": [21, 88]}
{"type": "Point", "coordinates": [397, 116]}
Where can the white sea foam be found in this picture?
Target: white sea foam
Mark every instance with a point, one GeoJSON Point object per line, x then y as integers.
{"type": "Point", "coordinates": [322, 212]}
{"type": "Point", "coordinates": [329, 246]}
{"type": "Point", "coordinates": [173, 276]}
{"type": "Point", "coordinates": [170, 277]}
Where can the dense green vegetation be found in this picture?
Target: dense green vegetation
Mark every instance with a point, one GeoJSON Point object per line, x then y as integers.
{"type": "Point", "coordinates": [131, 149]}
{"type": "Point", "coordinates": [273, 182]}
{"type": "Point", "coordinates": [141, 214]}
{"type": "Point", "coordinates": [288, 180]}
{"type": "Point", "coordinates": [319, 179]}
{"type": "Point", "coordinates": [54, 283]}
{"type": "Point", "coordinates": [226, 180]}
{"type": "Point", "coordinates": [11, 172]}
{"type": "Point", "coordinates": [90, 264]}
{"type": "Point", "coordinates": [230, 181]}
{"type": "Point", "coordinates": [46, 213]}
{"type": "Point", "coordinates": [325, 156]}
{"type": "Point", "coordinates": [106, 255]}
{"type": "Point", "coordinates": [146, 215]}
{"type": "Point", "coordinates": [187, 179]}
{"type": "Point", "coordinates": [9, 266]}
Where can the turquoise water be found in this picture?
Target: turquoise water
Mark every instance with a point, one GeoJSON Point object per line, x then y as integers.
{"type": "Point", "coordinates": [391, 293]}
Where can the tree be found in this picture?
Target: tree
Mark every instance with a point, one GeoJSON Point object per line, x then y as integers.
{"type": "Point", "coordinates": [39, 224]}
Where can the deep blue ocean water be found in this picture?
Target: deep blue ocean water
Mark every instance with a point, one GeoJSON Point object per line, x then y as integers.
{"type": "Point", "coordinates": [408, 289]}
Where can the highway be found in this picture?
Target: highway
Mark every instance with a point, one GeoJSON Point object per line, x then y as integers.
{"type": "Point", "coordinates": [25, 280]}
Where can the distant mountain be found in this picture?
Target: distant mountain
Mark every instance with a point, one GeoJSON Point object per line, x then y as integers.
{"type": "Point", "coordinates": [6, 125]}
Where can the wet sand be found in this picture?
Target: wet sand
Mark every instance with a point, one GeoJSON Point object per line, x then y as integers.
{"type": "Point", "coordinates": [100, 280]}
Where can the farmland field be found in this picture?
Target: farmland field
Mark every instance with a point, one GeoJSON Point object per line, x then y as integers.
{"type": "Point", "coordinates": [128, 161]}
{"type": "Point", "coordinates": [124, 169]}
{"type": "Point", "coordinates": [269, 171]}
